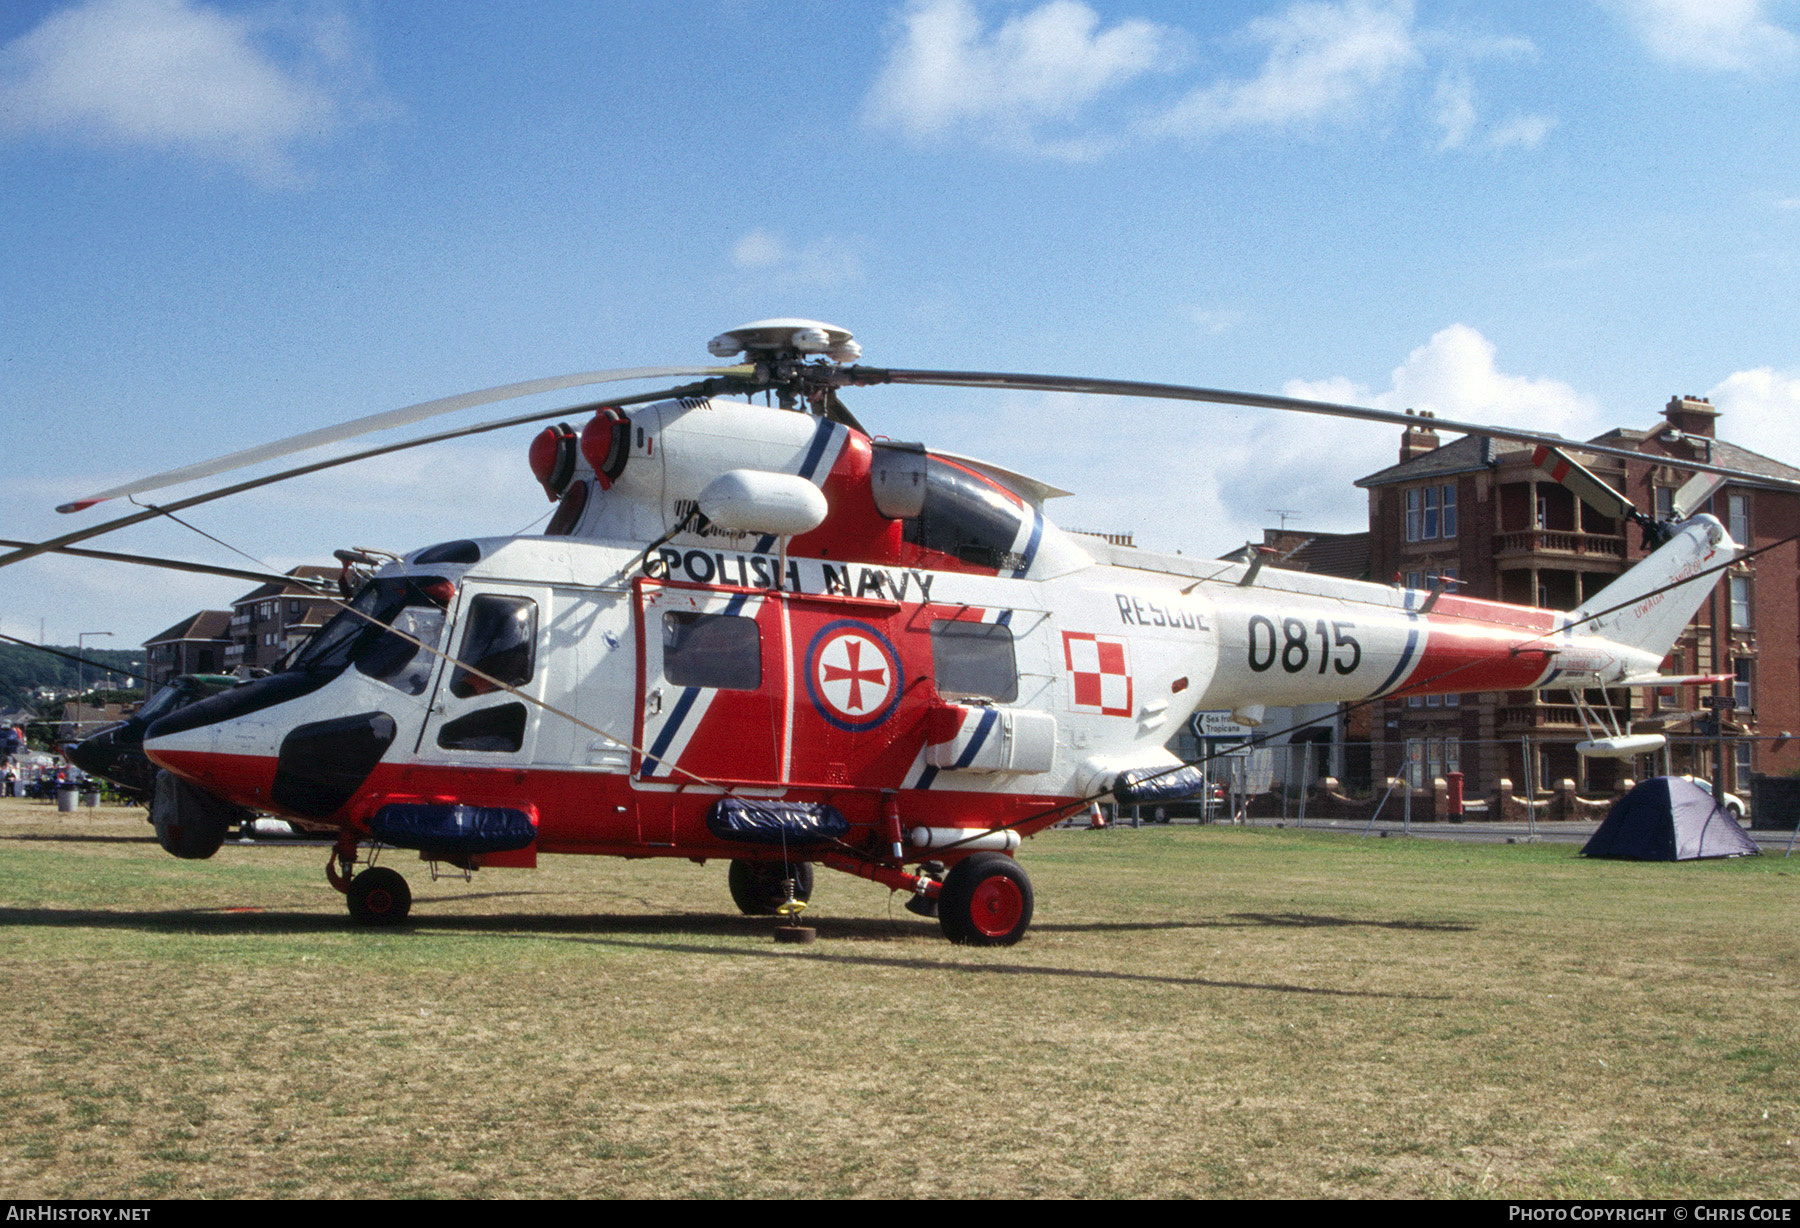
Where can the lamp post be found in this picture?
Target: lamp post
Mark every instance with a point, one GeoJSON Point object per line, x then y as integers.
{"type": "Point", "coordinates": [81, 666]}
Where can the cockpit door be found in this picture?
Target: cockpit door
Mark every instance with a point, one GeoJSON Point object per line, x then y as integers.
{"type": "Point", "coordinates": [472, 721]}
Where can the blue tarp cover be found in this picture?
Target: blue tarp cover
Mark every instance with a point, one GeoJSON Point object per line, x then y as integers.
{"type": "Point", "coordinates": [754, 821]}
{"type": "Point", "coordinates": [1157, 784]}
{"type": "Point", "coordinates": [455, 830]}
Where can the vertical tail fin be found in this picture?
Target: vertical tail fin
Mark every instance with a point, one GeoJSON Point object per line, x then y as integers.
{"type": "Point", "coordinates": [1648, 606]}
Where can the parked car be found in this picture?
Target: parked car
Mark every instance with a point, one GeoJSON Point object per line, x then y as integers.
{"type": "Point", "coordinates": [1734, 805]}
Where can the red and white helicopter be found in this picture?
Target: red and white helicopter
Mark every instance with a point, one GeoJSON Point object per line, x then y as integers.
{"type": "Point", "coordinates": [753, 632]}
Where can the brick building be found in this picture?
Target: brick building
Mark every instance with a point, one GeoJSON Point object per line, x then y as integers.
{"type": "Point", "coordinates": [269, 620]}
{"type": "Point", "coordinates": [1478, 511]}
{"type": "Point", "coordinates": [198, 644]}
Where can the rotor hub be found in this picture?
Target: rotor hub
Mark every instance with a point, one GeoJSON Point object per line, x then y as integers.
{"type": "Point", "coordinates": [798, 359]}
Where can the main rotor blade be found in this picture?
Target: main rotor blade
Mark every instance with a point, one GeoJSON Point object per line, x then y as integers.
{"type": "Point", "coordinates": [203, 569]}
{"type": "Point", "coordinates": [68, 539]}
{"type": "Point", "coordinates": [1254, 400]}
{"type": "Point", "coordinates": [391, 418]}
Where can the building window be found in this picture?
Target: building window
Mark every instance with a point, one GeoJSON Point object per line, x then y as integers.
{"type": "Point", "coordinates": [1737, 512]}
{"type": "Point", "coordinates": [1740, 687]}
{"type": "Point", "coordinates": [1430, 513]}
{"type": "Point", "coordinates": [1665, 503]}
{"type": "Point", "coordinates": [1746, 764]}
{"type": "Point", "coordinates": [1740, 601]}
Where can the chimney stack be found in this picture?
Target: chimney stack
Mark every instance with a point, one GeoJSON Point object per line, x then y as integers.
{"type": "Point", "coordinates": [1692, 416]}
{"type": "Point", "coordinates": [1418, 440]}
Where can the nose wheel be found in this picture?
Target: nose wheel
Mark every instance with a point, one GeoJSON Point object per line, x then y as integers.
{"type": "Point", "coordinates": [379, 896]}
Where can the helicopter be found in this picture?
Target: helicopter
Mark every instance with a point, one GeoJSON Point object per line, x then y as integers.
{"type": "Point", "coordinates": [759, 633]}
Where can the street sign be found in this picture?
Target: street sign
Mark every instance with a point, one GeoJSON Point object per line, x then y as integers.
{"type": "Point", "coordinates": [1219, 725]}
{"type": "Point", "coordinates": [1719, 703]}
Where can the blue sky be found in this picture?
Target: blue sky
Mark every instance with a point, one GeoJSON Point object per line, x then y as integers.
{"type": "Point", "coordinates": [232, 222]}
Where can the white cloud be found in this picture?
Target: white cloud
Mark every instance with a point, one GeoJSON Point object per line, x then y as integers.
{"type": "Point", "coordinates": [1324, 62]}
{"type": "Point", "coordinates": [1215, 320]}
{"type": "Point", "coordinates": [1760, 409]}
{"type": "Point", "coordinates": [1722, 35]}
{"type": "Point", "coordinates": [1458, 120]}
{"type": "Point", "coordinates": [1453, 110]}
{"type": "Point", "coordinates": [179, 75]}
{"type": "Point", "coordinates": [825, 262]}
{"type": "Point", "coordinates": [1035, 72]}
{"type": "Point", "coordinates": [1053, 81]}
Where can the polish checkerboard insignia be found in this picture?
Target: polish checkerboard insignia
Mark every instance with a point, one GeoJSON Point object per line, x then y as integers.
{"type": "Point", "coordinates": [1099, 673]}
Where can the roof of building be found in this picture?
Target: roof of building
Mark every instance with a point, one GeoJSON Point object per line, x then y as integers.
{"type": "Point", "coordinates": [205, 625]}
{"type": "Point", "coordinates": [1345, 555]}
{"type": "Point", "coordinates": [1465, 455]}
{"type": "Point", "coordinates": [1473, 452]}
{"type": "Point", "coordinates": [307, 571]}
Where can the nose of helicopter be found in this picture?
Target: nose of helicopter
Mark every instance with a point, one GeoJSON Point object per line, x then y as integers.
{"type": "Point", "coordinates": [234, 759]}
{"type": "Point", "coordinates": [230, 743]}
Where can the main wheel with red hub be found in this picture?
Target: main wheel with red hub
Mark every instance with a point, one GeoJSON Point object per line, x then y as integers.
{"type": "Point", "coordinates": [379, 896]}
{"type": "Point", "coordinates": [986, 901]}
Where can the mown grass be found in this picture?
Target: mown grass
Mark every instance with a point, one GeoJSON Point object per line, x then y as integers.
{"type": "Point", "coordinates": [1196, 1012]}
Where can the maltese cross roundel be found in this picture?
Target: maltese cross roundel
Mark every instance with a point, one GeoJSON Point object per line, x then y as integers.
{"type": "Point", "coordinates": [853, 675]}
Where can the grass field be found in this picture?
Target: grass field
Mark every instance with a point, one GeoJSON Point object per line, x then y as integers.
{"type": "Point", "coordinates": [1196, 1012]}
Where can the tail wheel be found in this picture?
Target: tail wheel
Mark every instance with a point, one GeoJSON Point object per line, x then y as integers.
{"type": "Point", "coordinates": [986, 901]}
{"type": "Point", "coordinates": [758, 888]}
{"type": "Point", "coordinates": [379, 896]}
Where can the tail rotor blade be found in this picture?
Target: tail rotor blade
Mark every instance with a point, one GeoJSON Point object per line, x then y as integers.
{"type": "Point", "coordinates": [1582, 482]}
{"type": "Point", "coordinates": [392, 418]}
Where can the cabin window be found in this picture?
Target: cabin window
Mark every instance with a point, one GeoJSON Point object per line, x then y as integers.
{"type": "Point", "coordinates": [723, 651]}
{"type": "Point", "coordinates": [974, 660]}
{"type": "Point", "coordinates": [497, 729]}
{"type": "Point", "coordinates": [966, 516]}
{"type": "Point", "coordinates": [501, 641]}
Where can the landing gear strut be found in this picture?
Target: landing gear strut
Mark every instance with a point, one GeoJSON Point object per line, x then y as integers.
{"type": "Point", "coordinates": [376, 896]}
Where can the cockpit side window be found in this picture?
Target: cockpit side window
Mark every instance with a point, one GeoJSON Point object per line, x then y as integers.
{"type": "Point", "coordinates": [360, 632]}
{"type": "Point", "coordinates": [965, 516]}
{"type": "Point", "coordinates": [500, 641]}
{"type": "Point", "coordinates": [395, 659]}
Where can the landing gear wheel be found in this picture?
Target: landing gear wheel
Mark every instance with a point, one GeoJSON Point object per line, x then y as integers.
{"type": "Point", "coordinates": [759, 888]}
{"type": "Point", "coordinates": [379, 896]}
{"type": "Point", "coordinates": [986, 901]}
{"type": "Point", "coordinates": [190, 823]}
